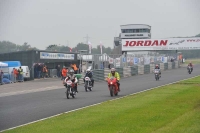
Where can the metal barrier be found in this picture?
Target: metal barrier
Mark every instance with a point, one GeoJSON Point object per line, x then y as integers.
{"type": "Point", "coordinates": [52, 73]}
{"type": "Point", "coordinates": [173, 65]}
{"type": "Point", "coordinates": [146, 69]}
{"type": "Point", "coordinates": [165, 66]}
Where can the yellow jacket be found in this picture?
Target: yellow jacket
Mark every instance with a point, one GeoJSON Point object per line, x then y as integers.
{"type": "Point", "coordinates": [116, 75]}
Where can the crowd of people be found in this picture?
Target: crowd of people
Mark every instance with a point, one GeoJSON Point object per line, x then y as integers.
{"type": "Point", "coordinates": [40, 71]}
{"type": "Point", "coordinates": [16, 76]}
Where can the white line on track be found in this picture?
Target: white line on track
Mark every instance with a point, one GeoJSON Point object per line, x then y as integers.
{"type": "Point", "coordinates": [96, 104]}
{"type": "Point", "coordinates": [29, 91]}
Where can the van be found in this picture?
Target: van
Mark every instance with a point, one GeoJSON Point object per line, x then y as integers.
{"type": "Point", "coordinates": [26, 71]}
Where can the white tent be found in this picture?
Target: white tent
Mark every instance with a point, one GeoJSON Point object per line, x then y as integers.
{"type": "Point", "coordinates": [3, 65]}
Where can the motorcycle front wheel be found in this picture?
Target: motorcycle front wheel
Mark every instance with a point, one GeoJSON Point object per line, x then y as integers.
{"type": "Point", "coordinates": [67, 93]}
{"type": "Point", "coordinates": [111, 91]}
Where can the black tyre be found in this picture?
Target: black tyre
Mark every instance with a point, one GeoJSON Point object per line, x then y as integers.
{"type": "Point", "coordinates": [86, 86]}
{"type": "Point", "coordinates": [67, 93]}
{"type": "Point", "coordinates": [111, 91]}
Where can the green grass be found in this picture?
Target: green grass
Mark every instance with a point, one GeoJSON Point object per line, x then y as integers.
{"type": "Point", "coordinates": [194, 61]}
{"type": "Point", "coordinates": [170, 109]}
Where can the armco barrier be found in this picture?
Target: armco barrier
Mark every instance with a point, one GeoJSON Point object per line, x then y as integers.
{"type": "Point", "coordinates": [169, 65]}
{"type": "Point", "coordinates": [52, 73]}
{"type": "Point", "coordinates": [127, 71]}
{"type": "Point", "coordinates": [141, 69]}
{"type": "Point", "coordinates": [134, 70]}
{"type": "Point", "coordinates": [173, 65]}
{"type": "Point", "coordinates": [165, 66]}
{"type": "Point", "coordinates": [152, 67]}
{"type": "Point", "coordinates": [146, 69]}
{"type": "Point", "coordinates": [161, 66]}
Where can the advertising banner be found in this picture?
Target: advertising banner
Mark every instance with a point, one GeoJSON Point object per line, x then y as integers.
{"type": "Point", "coordinates": [161, 44]}
{"type": "Point", "coordinates": [45, 55]}
{"type": "Point", "coordinates": [117, 62]}
{"type": "Point", "coordinates": [146, 60]}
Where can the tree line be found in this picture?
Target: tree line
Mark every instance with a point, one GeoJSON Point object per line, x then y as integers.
{"type": "Point", "coordinates": [7, 47]}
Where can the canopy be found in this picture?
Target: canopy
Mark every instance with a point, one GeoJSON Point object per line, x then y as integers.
{"type": "Point", "coordinates": [3, 64]}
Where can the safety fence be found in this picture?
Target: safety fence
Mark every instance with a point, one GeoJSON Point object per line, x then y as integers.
{"type": "Point", "coordinates": [100, 75]}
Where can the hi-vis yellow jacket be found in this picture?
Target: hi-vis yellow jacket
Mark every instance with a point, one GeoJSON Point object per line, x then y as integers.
{"type": "Point", "coordinates": [116, 75]}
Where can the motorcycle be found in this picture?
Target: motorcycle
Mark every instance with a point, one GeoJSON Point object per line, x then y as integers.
{"type": "Point", "coordinates": [157, 75]}
{"type": "Point", "coordinates": [189, 69]}
{"type": "Point", "coordinates": [88, 84]}
{"type": "Point", "coordinates": [113, 87]}
{"type": "Point", "coordinates": [70, 89]}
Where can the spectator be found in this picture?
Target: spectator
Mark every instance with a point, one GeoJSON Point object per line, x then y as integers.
{"type": "Point", "coordinates": [80, 68]}
{"type": "Point", "coordinates": [109, 66]}
{"type": "Point", "coordinates": [15, 75]}
{"type": "Point", "coordinates": [39, 70]}
{"type": "Point", "coordinates": [1, 77]}
{"type": "Point", "coordinates": [58, 70]}
{"type": "Point", "coordinates": [75, 69]}
{"type": "Point", "coordinates": [20, 70]}
{"type": "Point", "coordinates": [45, 71]}
{"type": "Point", "coordinates": [64, 72]}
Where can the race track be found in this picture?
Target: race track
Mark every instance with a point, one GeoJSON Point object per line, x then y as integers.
{"type": "Point", "coordinates": [21, 108]}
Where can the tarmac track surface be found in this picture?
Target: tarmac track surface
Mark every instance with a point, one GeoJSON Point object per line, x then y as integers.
{"type": "Point", "coordinates": [28, 105]}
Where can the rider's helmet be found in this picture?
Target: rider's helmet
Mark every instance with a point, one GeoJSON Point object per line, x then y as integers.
{"type": "Point", "coordinates": [71, 72]}
{"type": "Point", "coordinates": [88, 71]}
{"type": "Point", "coordinates": [112, 70]}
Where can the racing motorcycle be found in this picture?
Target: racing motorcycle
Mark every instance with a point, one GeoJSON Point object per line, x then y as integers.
{"type": "Point", "coordinates": [88, 84]}
{"type": "Point", "coordinates": [157, 75]}
{"type": "Point", "coordinates": [70, 89]}
{"type": "Point", "coordinates": [113, 87]}
{"type": "Point", "coordinates": [189, 69]}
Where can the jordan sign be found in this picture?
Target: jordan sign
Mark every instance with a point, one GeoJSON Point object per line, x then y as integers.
{"type": "Point", "coordinates": [161, 44]}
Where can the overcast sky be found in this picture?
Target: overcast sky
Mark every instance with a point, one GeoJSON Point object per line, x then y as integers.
{"type": "Point", "coordinates": [67, 22]}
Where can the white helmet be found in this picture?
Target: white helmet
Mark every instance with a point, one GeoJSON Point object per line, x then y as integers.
{"type": "Point", "coordinates": [88, 70]}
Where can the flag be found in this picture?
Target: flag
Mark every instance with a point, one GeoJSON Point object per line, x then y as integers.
{"type": "Point", "coordinates": [101, 46]}
{"type": "Point", "coordinates": [90, 47]}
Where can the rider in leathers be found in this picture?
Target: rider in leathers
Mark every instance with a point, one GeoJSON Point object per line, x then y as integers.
{"type": "Point", "coordinates": [157, 67]}
{"type": "Point", "coordinates": [190, 64]}
{"type": "Point", "coordinates": [90, 75]}
{"type": "Point", "coordinates": [116, 75]}
{"type": "Point", "coordinates": [73, 78]}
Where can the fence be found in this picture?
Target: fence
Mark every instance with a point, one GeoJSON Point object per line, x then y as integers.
{"type": "Point", "coordinates": [100, 75]}
{"type": "Point", "coordinates": [119, 61]}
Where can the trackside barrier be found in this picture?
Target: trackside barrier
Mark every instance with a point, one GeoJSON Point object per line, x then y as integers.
{"type": "Point", "coordinates": [52, 73]}
{"type": "Point", "coordinates": [152, 66]}
{"type": "Point", "coordinates": [146, 69]}
{"type": "Point", "coordinates": [162, 66]}
{"type": "Point", "coordinates": [176, 64]}
{"type": "Point", "coordinates": [141, 69]}
{"type": "Point", "coordinates": [169, 65]}
{"type": "Point", "coordinates": [173, 65]}
{"type": "Point", "coordinates": [165, 66]}
{"type": "Point", "coordinates": [134, 70]}
{"type": "Point", "coordinates": [127, 71]}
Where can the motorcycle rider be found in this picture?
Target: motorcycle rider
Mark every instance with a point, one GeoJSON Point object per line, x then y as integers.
{"type": "Point", "coordinates": [190, 64]}
{"type": "Point", "coordinates": [115, 74]}
{"type": "Point", "coordinates": [73, 78]}
{"type": "Point", "coordinates": [157, 67]}
{"type": "Point", "coordinates": [90, 75]}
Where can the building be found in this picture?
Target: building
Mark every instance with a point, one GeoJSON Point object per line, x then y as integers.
{"type": "Point", "coordinates": [49, 58]}
{"type": "Point", "coordinates": [131, 31]}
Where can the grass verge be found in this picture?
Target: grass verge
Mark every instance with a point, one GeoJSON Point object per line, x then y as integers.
{"type": "Point", "coordinates": [170, 109]}
{"type": "Point", "coordinates": [194, 61]}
